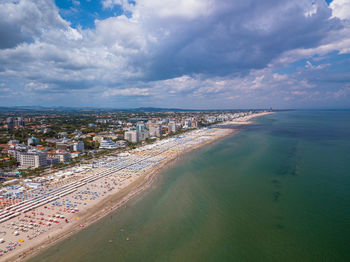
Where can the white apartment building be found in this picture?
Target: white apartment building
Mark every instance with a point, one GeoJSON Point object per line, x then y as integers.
{"type": "Point", "coordinates": [33, 159]}
{"type": "Point", "coordinates": [155, 130]}
{"type": "Point", "coordinates": [172, 127]}
{"type": "Point", "coordinates": [188, 123]}
{"type": "Point", "coordinates": [131, 136]}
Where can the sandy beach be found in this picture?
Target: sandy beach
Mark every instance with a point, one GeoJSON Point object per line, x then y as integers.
{"type": "Point", "coordinates": [73, 203]}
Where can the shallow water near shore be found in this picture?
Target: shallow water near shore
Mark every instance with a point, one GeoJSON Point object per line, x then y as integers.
{"type": "Point", "coordinates": [279, 190]}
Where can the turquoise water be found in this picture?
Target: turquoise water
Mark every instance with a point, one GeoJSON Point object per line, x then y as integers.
{"type": "Point", "coordinates": [279, 190]}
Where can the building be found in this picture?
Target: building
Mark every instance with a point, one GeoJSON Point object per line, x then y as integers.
{"type": "Point", "coordinates": [104, 121]}
{"type": "Point", "coordinates": [64, 145]}
{"type": "Point", "coordinates": [172, 127]}
{"type": "Point", "coordinates": [140, 127]}
{"type": "Point", "coordinates": [210, 119]}
{"type": "Point", "coordinates": [155, 130]}
{"type": "Point", "coordinates": [78, 134]}
{"type": "Point", "coordinates": [121, 143]}
{"type": "Point", "coordinates": [15, 149]}
{"type": "Point", "coordinates": [143, 135]}
{"type": "Point", "coordinates": [78, 146]}
{"type": "Point", "coordinates": [46, 130]}
{"type": "Point", "coordinates": [188, 123]}
{"type": "Point", "coordinates": [141, 132]}
{"type": "Point", "coordinates": [10, 123]}
{"type": "Point", "coordinates": [149, 123]}
{"type": "Point", "coordinates": [131, 136]}
{"type": "Point", "coordinates": [55, 156]}
{"type": "Point", "coordinates": [13, 142]}
{"type": "Point", "coordinates": [32, 140]}
{"type": "Point", "coordinates": [4, 148]}
{"type": "Point", "coordinates": [51, 160]}
{"type": "Point", "coordinates": [97, 139]}
{"type": "Point", "coordinates": [63, 156]}
{"type": "Point", "coordinates": [108, 144]}
{"type": "Point", "coordinates": [63, 134]}
{"type": "Point", "coordinates": [75, 154]}
{"type": "Point", "coordinates": [19, 122]}
{"type": "Point", "coordinates": [32, 159]}
{"type": "Point", "coordinates": [14, 122]}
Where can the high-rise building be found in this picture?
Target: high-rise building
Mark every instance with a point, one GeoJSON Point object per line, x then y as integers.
{"type": "Point", "coordinates": [19, 122]}
{"type": "Point", "coordinates": [155, 130]}
{"type": "Point", "coordinates": [131, 136]}
{"type": "Point", "coordinates": [10, 123]}
{"type": "Point", "coordinates": [16, 122]}
{"type": "Point", "coordinates": [140, 127]}
{"type": "Point", "coordinates": [141, 132]}
{"type": "Point", "coordinates": [172, 127]}
{"type": "Point", "coordinates": [188, 123]}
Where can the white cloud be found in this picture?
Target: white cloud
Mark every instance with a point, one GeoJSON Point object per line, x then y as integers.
{"type": "Point", "coordinates": [127, 92]}
{"type": "Point", "coordinates": [32, 86]}
{"type": "Point", "coordinates": [188, 9]}
{"type": "Point", "coordinates": [76, 2]}
{"type": "Point", "coordinates": [25, 20]}
{"type": "Point", "coordinates": [341, 93]}
{"type": "Point", "coordinates": [340, 9]}
{"type": "Point", "coordinates": [192, 48]}
{"type": "Point", "coordinates": [125, 4]}
{"type": "Point", "coordinates": [73, 34]}
{"type": "Point", "coordinates": [310, 66]}
{"type": "Point", "coordinates": [299, 93]}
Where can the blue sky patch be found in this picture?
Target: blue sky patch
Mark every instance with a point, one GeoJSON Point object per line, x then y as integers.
{"type": "Point", "coordinates": [83, 13]}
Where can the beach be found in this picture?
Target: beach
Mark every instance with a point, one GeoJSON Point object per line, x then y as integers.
{"type": "Point", "coordinates": [277, 190]}
{"type": "Point", "coordinates": [76, 202]}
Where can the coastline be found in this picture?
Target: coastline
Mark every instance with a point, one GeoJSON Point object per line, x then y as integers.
{"type": "Point", "coordinates": [112, 202]}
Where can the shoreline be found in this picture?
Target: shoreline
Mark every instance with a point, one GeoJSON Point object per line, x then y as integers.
{"type": "Point", "coordinates": [114, 201]}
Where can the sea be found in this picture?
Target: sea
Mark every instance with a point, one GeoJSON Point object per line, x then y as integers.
{"type": "Point", "coordinates": [277, 190]}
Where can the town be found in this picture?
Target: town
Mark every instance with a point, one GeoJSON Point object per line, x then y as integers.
{"type": "Point", "coordinates": [34, 143]}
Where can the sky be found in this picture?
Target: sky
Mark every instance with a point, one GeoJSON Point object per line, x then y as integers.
{"type": "Point", "coordinates": [195, 54]}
